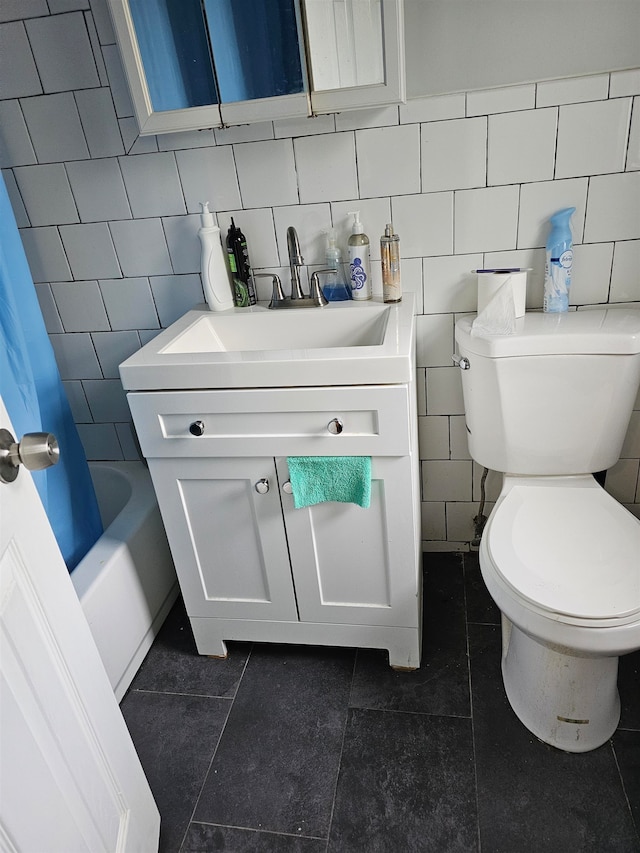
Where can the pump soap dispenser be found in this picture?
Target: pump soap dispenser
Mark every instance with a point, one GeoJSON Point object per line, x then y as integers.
{"type": "Point", "coordinates": [359, 261]}
{"type": "Point", "coordinates": [215, 279]}
{"type": "Point", "coordinates": [337, 289]}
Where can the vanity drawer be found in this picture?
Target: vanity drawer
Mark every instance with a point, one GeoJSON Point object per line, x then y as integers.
{"type": "Point", "coordinates": [368, 421]}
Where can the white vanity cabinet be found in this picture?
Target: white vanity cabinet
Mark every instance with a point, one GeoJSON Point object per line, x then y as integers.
{"type": "Point", "coordinates": [251, 567]}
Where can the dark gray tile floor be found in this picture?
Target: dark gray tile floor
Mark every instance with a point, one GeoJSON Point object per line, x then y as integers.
{"type": "Point", "coordinates": [293, 749]}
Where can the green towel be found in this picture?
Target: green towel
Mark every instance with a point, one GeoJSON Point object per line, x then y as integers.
{"type": "Point", "coordinates": [315, 479]}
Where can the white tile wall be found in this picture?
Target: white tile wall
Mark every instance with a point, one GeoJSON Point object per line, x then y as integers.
{"type": "Point", "coordinates": [522, 146]}
{"type": "Point", "coordinates": [18, 70]}
{"type": "Point", "coordinates": [99, 190]}
{"type": "Point", "coordinates": [55, 128]}
{"type": "Point", "coordinates": [15, 143]}
{"type": "Point", "coordinates": [46, 194]}
{"type": "Point", "coordinates": [80, 306]}
{"type": "Point", "coordinates": [266, 172]}
{"type": "Point", "coordinates": [90, 251]}
{"type": "Point", "coordinates": [326, 167]}
{"type": "Point", "coordinates": [109, 221]}
{"type": "Point", "coordinates": [388, 160]}
{"type": "Point", "coordinates": [208, 174]}
{"type": "Point", "coordinates": [454, 154]}
{"type": "Point", "coordinates": [153, 184]}
{"type": "Point", "coordinates": [54, 41]}
{"type": "Point", "coordinates": [99, 122]}
{"type": "Point", "coordinates": [583, 148]}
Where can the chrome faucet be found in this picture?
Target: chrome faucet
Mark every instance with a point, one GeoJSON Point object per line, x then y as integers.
{"type": "Point", "coordinates": [298, 299]}
{"type": "Point", "coordinates": [295, 262]}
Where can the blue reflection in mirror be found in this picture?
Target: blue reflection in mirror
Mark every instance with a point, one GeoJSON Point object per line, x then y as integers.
{"type": "Point", "coordinates": [256, 49]}
{"type": "Point", "coordinates": [254, 42]}
{"type": "Point", "coordinates": [172, 39]}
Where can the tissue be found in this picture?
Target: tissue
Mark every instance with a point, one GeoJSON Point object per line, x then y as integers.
{"type": "Point", "coordinates": [501, 300]}
{"type": "Point", "coordinates": [489, 283]}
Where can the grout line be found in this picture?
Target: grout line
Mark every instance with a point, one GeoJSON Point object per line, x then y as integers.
{"type": "Point", "coordinates": [273, 832]}
{"type": "Point", "coordinates": [624, 790]}
{"type": "Point", "coordinates": [473, 729]}
{"type": "Point", "coordinates": [344, 735]}
{"type": "Point", "coordinates": [215, 750]}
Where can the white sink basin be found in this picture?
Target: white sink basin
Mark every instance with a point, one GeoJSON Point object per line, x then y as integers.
{"type": "Point", "coordinates": [345, 343]}
{"type": "Point", "coordinates": [305, 328]}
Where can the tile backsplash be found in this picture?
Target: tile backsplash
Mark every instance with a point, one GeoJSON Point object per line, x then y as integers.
{"type": "Point", "coordinates": [109, 220]}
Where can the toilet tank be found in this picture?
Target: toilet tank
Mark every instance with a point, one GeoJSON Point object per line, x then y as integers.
{"type": "Point", "coordinates": [556, 396]}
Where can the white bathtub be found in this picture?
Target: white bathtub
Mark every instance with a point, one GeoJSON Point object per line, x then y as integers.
{"type": "Point", "coordinates": [126, 583]}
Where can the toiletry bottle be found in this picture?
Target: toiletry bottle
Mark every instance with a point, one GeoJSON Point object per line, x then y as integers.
{"type": "Point", "coordinates": [557, 271]}
{"type": "Point", "coordinates": [244, 292]}
{"type": "Point", "coordinates": [390, 255]}
{"type": "Point", "coordinates": [215, 279]}
{"type": "Point", "coordinates": [336, 288]}
{"type": "Point", "coordinates": [359, 266]}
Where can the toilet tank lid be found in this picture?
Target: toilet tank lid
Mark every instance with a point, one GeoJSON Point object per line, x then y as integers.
{"type": "Point", "coordinates": [612, 331]}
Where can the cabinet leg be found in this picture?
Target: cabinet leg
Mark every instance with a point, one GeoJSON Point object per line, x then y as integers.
{"type": "Point", "coordinates": [405, 657]}
{"type": "Point", "coordinates": [218, 657]}
{"type": "Point", "coordinates": [216, 650]}
{"type": "Point", "coordinates": [208, 637]}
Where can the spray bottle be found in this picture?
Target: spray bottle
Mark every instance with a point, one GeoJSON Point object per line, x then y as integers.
{"type": "Point", "coordinates": [390, 255]}
{"type": "Point", "coordinates": [215, 279]}
{"type": "Point", "coordinates": [557, 271]}
{"type": "Point", "coordinates": [359, 265]}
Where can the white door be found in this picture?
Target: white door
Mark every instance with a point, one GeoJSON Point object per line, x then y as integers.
{"type": "Point", "coordinates": [70, 779]}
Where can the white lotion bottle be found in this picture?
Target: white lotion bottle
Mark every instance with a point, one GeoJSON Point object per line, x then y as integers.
{"type": "Point", "coordinates": [215, 278]}
{"type": "Point", "coordinates": [359, 266]}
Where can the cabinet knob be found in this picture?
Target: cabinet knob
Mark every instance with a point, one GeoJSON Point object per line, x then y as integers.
{"type": "Point", "coordinates": [262, 486]}
{"type": "Point", "coordinates": [197, 428]}
{"type": "Point", "coordinates": [335, 426]}
{"type": "Point", "coordinates": [287, 487]}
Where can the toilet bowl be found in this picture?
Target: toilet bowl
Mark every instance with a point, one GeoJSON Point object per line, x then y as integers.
{"type": "Point", "coordinates": [546, 406]}
{"type": "Point", "coordinates": [561, 559]}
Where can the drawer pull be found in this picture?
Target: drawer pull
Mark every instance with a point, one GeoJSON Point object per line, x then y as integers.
{"type": "Point", "coordinates": [335, 426]}
{"type": "Point", "coordinates": [287, 487]}
{"type": "Point", "coordinates": [197, 428]}
{"type": "Point", "coordinates": [262, 486]}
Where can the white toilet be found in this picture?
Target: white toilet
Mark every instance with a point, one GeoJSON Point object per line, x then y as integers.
{"type": "Point", "coordinates": [547, 406]}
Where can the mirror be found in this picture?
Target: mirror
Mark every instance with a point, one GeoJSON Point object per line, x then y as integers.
{"type": "Point", "coordinates": [217, 51]}
{"type": "Point", "coordinates": [344, 43]}
{"type": "Point", "coordinates": [195, 64]}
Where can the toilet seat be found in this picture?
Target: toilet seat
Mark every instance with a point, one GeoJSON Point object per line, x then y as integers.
{"type": "Point", "coordinates": [572, 553]}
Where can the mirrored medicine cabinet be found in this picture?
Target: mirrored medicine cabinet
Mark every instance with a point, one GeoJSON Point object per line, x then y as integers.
{"type": "Point", "coordinates": [195, 64]}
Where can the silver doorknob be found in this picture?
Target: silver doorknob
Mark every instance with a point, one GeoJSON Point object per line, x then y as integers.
{"type": "Point", "coordinates": [287, 487]}
{"type": "Point", "coordinates": [335, 426]}
{"type": "Point", "coordinates": [36, 451]}
{"type": "Point", "coordinates": [197, 428]}
{"type": "Point", "coordinates": [262, 486]}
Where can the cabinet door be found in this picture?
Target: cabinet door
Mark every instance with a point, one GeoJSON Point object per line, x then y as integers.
{"type": "Point", "coordinates": [352, 565]}
{"type": "Point", "coordinates": [227, 538]}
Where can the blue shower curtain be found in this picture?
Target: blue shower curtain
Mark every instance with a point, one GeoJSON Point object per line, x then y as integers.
{"type": "Point", "coordinates": [36, 401]}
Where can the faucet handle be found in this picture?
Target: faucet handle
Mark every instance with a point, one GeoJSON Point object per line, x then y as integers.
{"type": "Point", "coordinates": [277, 297]}
{"type": "Point", "coordinates": [315, 291]}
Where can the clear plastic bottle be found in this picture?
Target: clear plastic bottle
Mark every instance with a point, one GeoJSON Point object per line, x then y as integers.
{"type": "Point", "coordinates": [336, 288]}
{"type": "Point", "coordinates": [390, 255]}
{"type": "Point", "coordinates": [359, 265]}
